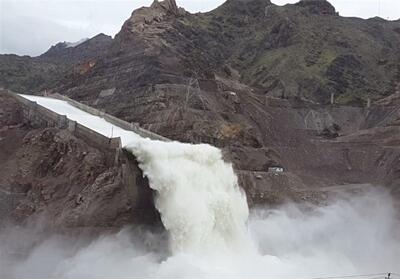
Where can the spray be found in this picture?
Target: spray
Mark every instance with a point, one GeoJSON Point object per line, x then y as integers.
{"type": "Point", "coordinates": [198, 196]}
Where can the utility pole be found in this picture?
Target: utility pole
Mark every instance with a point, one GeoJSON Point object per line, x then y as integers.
{"type": "Point", "coordinates": [192, 89]}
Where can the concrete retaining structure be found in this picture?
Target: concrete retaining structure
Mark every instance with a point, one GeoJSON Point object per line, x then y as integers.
{"type": "Point", "coordinates": [134, 127]}
{"type": "Point", "coordinates": [39, 116]}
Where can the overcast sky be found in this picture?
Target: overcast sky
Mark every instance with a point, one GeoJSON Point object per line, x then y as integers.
{"type": "Point", "coordinates": [30, 27]}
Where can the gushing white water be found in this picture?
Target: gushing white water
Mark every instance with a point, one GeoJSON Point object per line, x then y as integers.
{"type": "Point", "coordinates": [198, 196]}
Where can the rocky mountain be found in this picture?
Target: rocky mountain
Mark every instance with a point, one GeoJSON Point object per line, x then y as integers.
{"type": "Point", "coordinates": [35, 74]}
{"type": "Point", "coordinates": [305, 50]}
{"type": "Point", "coordinates": [70, 54]}
{"type": "Point", "coordinates": [251, 77]}
{"type": "Point", "coordinates": [26, 74]}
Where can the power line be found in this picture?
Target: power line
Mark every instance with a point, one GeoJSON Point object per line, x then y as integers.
{"type": "Point", "coordinates": [353, 276]}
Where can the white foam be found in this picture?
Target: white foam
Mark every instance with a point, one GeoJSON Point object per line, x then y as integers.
{"type": "Point", "coordinates": [198, 195]}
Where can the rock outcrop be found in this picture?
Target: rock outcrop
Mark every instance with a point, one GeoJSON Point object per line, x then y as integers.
{"type": "Point", "coordinates": [321, 7]}
{"type": "Point", "coordinates": [169, 6]}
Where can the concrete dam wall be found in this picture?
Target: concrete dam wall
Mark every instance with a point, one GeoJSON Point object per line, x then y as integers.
{"type": "Point", "coordinates": [135, 184]}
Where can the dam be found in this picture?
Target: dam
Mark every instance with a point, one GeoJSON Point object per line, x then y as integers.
{"type": "Point", "coordinates": [205, 214]}
{"type": "Point", "coordinates": [197, 193]}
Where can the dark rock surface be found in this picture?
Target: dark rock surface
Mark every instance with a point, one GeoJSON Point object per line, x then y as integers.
{"type": "Point", "coordinates": [320, 7]}
{"type": "Point", "coordinates": [83, 52]}
{"type": "Point", "coordinates": [35, 74]}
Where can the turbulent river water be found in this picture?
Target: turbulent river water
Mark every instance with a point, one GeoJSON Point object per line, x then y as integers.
{"type": "Point", "coordinates": [209, 232]}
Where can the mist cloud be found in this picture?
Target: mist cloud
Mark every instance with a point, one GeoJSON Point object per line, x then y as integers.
{"type": "Point", "coordinates": [353, 235]}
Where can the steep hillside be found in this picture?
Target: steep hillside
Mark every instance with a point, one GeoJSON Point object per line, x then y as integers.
{"type": "Point", "coordinates": [26, 74]}
{"type": "Point", "coordinates": [308, 50]}
{"type": "Point", "coordinates": [35, 74]}
{"type": "Point", "coordinates": [305, 50]}
{"type": "Point", "coordinates": [85, 51]}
